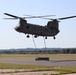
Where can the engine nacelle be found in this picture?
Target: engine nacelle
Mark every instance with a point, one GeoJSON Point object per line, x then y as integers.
{"type": "Point", "coordinates": [53, 24]}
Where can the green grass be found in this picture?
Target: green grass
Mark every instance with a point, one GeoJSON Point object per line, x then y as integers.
{"type": "Point", "coordinates": [61, 70]}
{"type": "Point", "coordinates": [64, 70]}
{"type": "Point", "coordinates": [19, 66]}
{"type": "Point", "coordinates": [51, 56]}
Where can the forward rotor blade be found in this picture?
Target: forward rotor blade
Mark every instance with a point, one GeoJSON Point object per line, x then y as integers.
{"type": "Point", "coordinates": [38, 17]}
{"type": "Point", "coordinates": [66, 18]}
{"type": "Point", "coordinates": [12, 15]}
{"type": "Point", "coordinates": [30, 16]}
{"type": "Point", "coordinates": [10, 18]}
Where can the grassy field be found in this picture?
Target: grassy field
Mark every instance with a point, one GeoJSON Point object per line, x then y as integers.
{"type": "Point", "coordinates": [51, 56]}
{"type": "Point", "coordinates": [61, 70]}
{"type": "Point", "coordinates": [21, 66]}
{"type": "Point", "coordinates": [33, 68]}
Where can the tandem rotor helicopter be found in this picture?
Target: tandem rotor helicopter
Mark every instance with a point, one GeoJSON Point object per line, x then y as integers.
{"type": "Point", "coordinates": [49, 30]}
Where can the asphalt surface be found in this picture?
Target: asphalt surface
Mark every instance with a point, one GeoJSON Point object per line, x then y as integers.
{"type": "Point", "coordinates": [51, 62]}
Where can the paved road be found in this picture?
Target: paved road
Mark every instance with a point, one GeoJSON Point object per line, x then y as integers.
{"type": "Point", "coordinates": [52, 62]}
{"type": "Point", "coordinates": [71, 74]}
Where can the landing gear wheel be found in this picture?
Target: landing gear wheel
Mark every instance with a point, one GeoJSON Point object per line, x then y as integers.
{"type": "Point", "coordinates": [54, 37]}
{"type": "Point", "coordinates": [35, 36]}
{"type": "Point", "coordinates": [28, 36]}
{"type": "Point", "coordinates": [45, 37]}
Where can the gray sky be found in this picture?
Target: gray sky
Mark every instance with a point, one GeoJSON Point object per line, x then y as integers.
{"type": "Point", "coordinates": [9, 38]}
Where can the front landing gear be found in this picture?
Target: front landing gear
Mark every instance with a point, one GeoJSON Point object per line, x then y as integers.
{"type": "Point", "coordinates": [54, 37]}
{"type": "Point", "coordinates": [28, 36]}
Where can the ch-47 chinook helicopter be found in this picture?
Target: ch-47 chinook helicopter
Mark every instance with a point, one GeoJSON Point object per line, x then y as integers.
{"type": "Point", "coordinates": [49, 30]}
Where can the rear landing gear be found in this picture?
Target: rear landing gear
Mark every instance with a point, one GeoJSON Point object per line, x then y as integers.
{"type": "Point", "coordinates": [35, 36]}
{"type": "Point", "coordinates": [45, 37]}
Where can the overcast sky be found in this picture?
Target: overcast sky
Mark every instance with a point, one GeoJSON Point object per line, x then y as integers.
{"type": "Point", "coordinates": [9, 38]}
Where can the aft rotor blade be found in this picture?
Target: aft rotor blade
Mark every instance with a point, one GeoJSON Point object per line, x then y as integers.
{"type": "Point", "coordinates": [12, 15]}
{"type": "Point", "coordinates": [45, 16]}
{"type": "Point", "coordinates": [66, 18]}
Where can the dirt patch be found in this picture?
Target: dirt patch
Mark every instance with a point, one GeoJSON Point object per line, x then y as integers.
{"type": "Point", "coordinates": [11, 70]}
{"type": "Point", "coordinates": [19, 72]}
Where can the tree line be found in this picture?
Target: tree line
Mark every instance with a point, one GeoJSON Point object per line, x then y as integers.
{"type": "Point", "coordinates": [56, 51]}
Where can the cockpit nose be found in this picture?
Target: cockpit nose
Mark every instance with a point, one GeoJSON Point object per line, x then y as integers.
{"type": "Point", "coordinates": [18, 29]}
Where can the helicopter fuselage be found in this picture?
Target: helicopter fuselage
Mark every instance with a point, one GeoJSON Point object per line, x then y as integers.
{"type": "Point", "coordinates": [37, 30]}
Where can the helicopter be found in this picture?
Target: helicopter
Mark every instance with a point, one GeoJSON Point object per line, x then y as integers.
{"type": "Point", "coordinates": [49, 30]}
